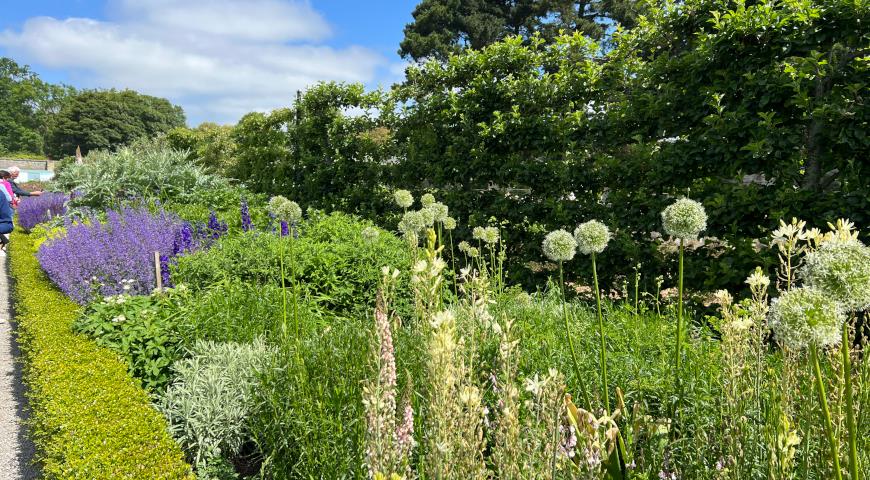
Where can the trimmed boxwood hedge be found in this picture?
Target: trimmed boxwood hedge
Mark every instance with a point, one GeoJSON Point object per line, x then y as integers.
{"type": "Point", "coordinates": [89, 419]}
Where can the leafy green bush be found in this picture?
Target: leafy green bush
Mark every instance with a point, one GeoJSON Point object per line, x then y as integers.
{"type": "Point", "coordinates": [139, 328]}
{"type": "Point", "coordinates": [146, 169]}
{"type": "Point", "coordinates": [211, 398]}
{"type": "Point", "coordinates": [331, 263]}
{"type": "Point", "coordinates": [89, 418]}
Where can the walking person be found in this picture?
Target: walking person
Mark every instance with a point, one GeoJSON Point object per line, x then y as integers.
{"type": "Point", "coordinates": [6, 225]}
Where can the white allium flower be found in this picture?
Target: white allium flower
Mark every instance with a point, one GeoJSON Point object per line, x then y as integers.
{"type": "Point", "coordinates": [473, 252]}
{"type": "Point", "coordinates": [464, 246]}
{"type": "Point", "coordinates": [439, 211]}
{"type": "Point", "coordinates": [449, 223]}
{"type": "Point", "coordinates": [842, 271]}
{"type": "Point", "coordinates": [403, 198]}
{"type": "Point", "coordinates": [559, 246]}
{"type": "Point", "coordinates": [805, 316]}
{"type": "Point", "coordinates": [477, 233]}
{"type": "Point", "coordinates": [428, 216]}
{"type": "Point", "coordinates": [592, 237]}
{"type": "Point", "coordinates": [684, 219]}
{"type": "Point", "coordinates": [285, 210]}
{"type": "Point", "coordinates": [412, 222]}
{"type": "Point", "coordinates": [490, 235]}
{"type": "Point", "coordinates": [370, 234]}
{"type": "Point", "coordinates": [427, 199]}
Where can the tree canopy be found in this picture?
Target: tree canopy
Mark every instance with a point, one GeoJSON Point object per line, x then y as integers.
{"type": "Point", "coordinates": [105, 119]}
{"type": "Point", "coordinates": [444, 27]}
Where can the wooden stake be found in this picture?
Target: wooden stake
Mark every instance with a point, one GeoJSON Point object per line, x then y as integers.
{"type": "Point", "coordinates": [158, 274]}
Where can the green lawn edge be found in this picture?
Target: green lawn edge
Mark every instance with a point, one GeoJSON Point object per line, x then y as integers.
{"type": "Point", "coordinates": [88, 418]}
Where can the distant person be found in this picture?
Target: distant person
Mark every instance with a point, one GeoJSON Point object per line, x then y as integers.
{"type": "Point", "coordinates": [7, 188]}
{"type": "Point", "coordinates": [5, 223]}
{"type": "Point", "coordinates": [20, 192]}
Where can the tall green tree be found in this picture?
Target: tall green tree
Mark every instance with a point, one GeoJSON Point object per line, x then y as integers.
{"type": "Point", "coordinates": [27, 105]}
{"type": "Point", "coordinates": [105, 119]}
{"type": "Point", "coordinates": [444, 27]}
{"type": "Point", "coordinates": [210, 145]}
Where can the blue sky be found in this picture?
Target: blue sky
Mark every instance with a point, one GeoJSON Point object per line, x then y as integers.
{"type": "Point", "coordinates": [219, 59]}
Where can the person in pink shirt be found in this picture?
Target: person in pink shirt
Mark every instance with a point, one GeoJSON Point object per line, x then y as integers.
{"type": "Point", "coordinates": [7, 188]}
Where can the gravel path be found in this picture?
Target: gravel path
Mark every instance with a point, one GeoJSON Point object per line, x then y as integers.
{"type": "Point", "coordinates": [16, 451]}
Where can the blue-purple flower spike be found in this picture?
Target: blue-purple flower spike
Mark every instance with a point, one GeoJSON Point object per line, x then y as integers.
{"type": "Point", "coordinates": [246, 217]}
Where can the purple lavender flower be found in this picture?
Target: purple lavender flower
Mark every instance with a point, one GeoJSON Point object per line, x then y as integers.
{"type": "Point", "coordinates": [164, 271]}
{"type": "Point", "coordinates": [246, 217]}
{"type": "Point", "coordinates": [35, 210]}
{"type": "Point", "coordinates": [93, 258]}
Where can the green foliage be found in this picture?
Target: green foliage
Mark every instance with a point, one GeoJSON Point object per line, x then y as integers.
{"type": "Point", "coordinates": [106, 119]}
{"type": "Point", "coordinates": [89, 419]}
{"type": "Point", "coordinates": [211, 399]}
{"type": "Point", "coordinates": [330, 262]}
{"type": "Point", "coordinates": [444, 27]}
{"type": "Point", "coordinates": [318, 154]}
{"type": "Point", "coordinates": [140, 329]}
{"type": "Point", "coordinates": [210, 145]}
{"type": "Point", "coordinates": [146, 170]}
{"type": "Point", "coordinates": [27, 105]}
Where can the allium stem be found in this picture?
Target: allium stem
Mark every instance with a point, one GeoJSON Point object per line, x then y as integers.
{"type": "Point", "coordinates": [586, 401]}
{"type": "Point", "coordinates": [606, 391]}
{"type": "Point", "coordinates": [679, 343]}
{"type": "Point", "coordinates": [283, 290]}
{"type": "Point", "coordinates": [823, 400]}
{"type": "Point", "coordinates": [850, 407]}
{"type": "Point", "coordinates": [453, 265]}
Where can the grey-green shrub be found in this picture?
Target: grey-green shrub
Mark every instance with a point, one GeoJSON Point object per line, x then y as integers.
{"type": "Point", "coordinates": [146, 169]}
{"type": "Point", "coordinates": [212, 397]}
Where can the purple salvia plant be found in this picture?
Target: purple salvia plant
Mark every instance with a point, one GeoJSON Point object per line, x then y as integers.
{"type": "Point", "coordinates": [246, 217]}
{"type": "Point", "coordinates": [164, 271]}
{"type": "Point", "coordinates": [36, 210]}
{"type": "Point", "coordinates": [94, 258]}
{"type": "Point", "coordinates": [285, 229]}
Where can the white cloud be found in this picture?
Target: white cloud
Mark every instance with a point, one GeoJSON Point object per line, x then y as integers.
{"type": "Point", "coordinates": [219, 59]}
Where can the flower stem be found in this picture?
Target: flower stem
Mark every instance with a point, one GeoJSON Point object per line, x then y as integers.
{"type": "Point", "coordinates": [678, 349]}
{"type": "Point", "coordinates": [606, 391]}
{"type": "Point", "coordinates": [823, 400]}
{"type": "Point", "coordinates": [283, 289]}
{"type": "Point", "coordinates": [571, 341]}
{"type": "Point", "coordinates": [850, 407]}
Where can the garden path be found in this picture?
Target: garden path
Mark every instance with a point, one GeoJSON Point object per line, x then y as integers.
{"type": "Point", "coordinates": [16, 450]}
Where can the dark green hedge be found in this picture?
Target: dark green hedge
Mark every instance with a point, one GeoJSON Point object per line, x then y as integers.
{"type": "Point", "coordinates": [89, 419]}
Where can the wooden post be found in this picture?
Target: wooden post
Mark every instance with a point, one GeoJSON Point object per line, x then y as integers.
{"type": "Point", "coordinates": [158, 274]}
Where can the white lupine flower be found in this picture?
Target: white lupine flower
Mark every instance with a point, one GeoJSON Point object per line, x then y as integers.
{"type": "Point", "coordinates": [403, 198]}
{"type": "Point", "coordinates": [842, 271]}
{"type": "Point", "coordinates": [805, 316]}
{"type": "Point", "coordinates": [684, 219]}
{"type": "Point", "coordinates": [559, 246]}
{"type": "Point", "coordinates": [592, 237]}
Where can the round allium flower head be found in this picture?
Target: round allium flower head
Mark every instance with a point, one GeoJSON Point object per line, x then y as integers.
{"type": "Point", "coordinates": [285, 210]}
{"type": "Point", "coordinates": [490, 235]}
{"type": "Point", "coordinates": [477, 233]}
{"type": "Point", "coordinates": [427, 199]}
{"type": "Point", "coordinates": [559, 246]}
{"type": "Point", "coordinates": [806, 316]}
{"type": "Point", "coordinates": [684, 218]}
{"type": "Point", "coordinates": [370, 234]}
{"type": "Point", "coordinates": [412, 222]}
{"type": "Point", "coordinates": [591, 237]}
{"type": "Point", "coordinates": [428, 216]}
{"type": "Point", "coordinates": [449, 223]}
{"type": "Point", "coordinates": [464, 246]}
{"type": "Point", "coordinates": [439, 211]}
{"type": "Point", "coordinates": [842, 271]}
{"type": "Point", "coordinates": [403, 198]}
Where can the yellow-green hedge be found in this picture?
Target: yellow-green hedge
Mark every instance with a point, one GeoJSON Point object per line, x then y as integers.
{"type": "Point", "coordinates": [89, 419]}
